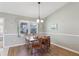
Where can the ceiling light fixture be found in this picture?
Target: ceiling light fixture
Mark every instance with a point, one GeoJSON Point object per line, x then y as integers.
{"type": "Point", "coordinates": [39, 20]}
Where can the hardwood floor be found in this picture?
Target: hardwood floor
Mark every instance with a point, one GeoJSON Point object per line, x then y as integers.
{"type": "Point", "coordinates": [53, 51]}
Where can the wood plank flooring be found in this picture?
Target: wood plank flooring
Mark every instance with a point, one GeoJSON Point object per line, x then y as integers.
{"type": "Point", "coordinates": [53, 51]}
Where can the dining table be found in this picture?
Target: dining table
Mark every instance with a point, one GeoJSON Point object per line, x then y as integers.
{"type": "Point", "coordinates": [41, 43]}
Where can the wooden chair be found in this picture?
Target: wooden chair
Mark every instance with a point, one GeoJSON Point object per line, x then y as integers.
{"type": "Point", "coordinates": [45, 42]}
{"type": "Point", "coordinates": [36, 45]}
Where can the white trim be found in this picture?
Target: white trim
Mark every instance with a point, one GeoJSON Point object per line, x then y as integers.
{"type": "Point", "coordinates": [11, 34]}
{"type": "Point", "coordinates": [51, 43]}
{"type": "Point", "coordinates": [52, 34]}
{"type": "Point", "coordinates": [66, 48]}
{"type": "Point", "coordinates": [65, 34]}
{"type": "Point", "coordinates": [14, 45]}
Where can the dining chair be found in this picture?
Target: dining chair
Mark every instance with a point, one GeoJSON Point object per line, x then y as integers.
{"type": "Point", "coordinates": [45, 42]}
{"type": "Point", "coordinates": [35, 47]}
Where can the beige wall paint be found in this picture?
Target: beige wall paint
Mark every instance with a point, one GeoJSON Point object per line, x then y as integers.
{"type": "Point", "coordinates": [67, 19]}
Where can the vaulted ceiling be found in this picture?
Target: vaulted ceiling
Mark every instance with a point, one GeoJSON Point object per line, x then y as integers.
{"type": "Point", "coordinates": [30, 9]}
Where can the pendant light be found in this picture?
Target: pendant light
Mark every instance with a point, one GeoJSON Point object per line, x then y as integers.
{"type": "Point", "coordinates": [39, 20]}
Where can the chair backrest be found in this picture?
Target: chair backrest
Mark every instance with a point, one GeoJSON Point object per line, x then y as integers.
{"type": "Point", "coordinates": [41, 40]}
{"type": "Point", "coordinates": [36, 44]}
{"type": "Point", "coordinates": [45, 40]}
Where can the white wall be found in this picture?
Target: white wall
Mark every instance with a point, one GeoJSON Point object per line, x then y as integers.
{"type": "Point", "coordinates": [67, 19]}
{"type": "Point", "coordinates": [1, 42]}
{"type": "Point", "coordinates": [11, 22]}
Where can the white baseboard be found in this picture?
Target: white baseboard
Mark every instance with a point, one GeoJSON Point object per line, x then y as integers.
{"type": "Point", "coordinates": [51, 43]}
{"type": "Point", "coordinates": [66, 48]}
{"type": "Point", "coordinates": [6, 49]}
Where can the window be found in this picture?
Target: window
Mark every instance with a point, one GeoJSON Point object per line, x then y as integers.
{"type": "Point", "coordinates": [1, 26]}
{"type": "Point", "coordinates": [33, 28]}
{"type": "Point", "coordinates": [28, 27]}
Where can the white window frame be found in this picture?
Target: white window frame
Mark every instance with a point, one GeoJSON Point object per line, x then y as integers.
{"type": "Point", "coordinates": [36, 24]}
{"type": "Point", "coordinates": [2, 24]}
{"type": "Point", "coordinates": [29, 22]}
